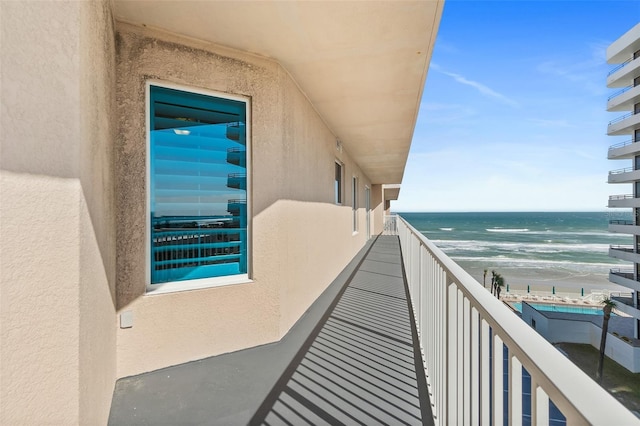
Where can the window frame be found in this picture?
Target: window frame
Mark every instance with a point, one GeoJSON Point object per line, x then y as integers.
{"type": "Point", "coordinates": [354, 203]}
{"type": "Point", "coordinates": [200, 283]}
{"type": "Point", "coordinates": [339, 201]}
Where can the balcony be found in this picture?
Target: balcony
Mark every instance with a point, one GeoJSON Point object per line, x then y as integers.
{"type": "Point", "coordinates": [623, 150]}
{"type": "Point", "coordinates": [624, 125]}
{"type": "Point", "coordinates": [624, 100]}
{"type": "Point", "coordinates": [624, 227]}
{"type": "Point", "coordinates": [623, 200]}
{"type": "Point", "coordinates": [624, 47]}
{"type": "Point", "coordinates": [623, 74]}
{"type": "Point", "coordinates": [624, 253]}
{"type": "Point", "coordinates": [625, 278]}
{"type": "Point", "coordinates": [624, 303]}
{"type": "Point", "coordinates": [403, 336]}
{"type": "Point", "coordinates": [625, 175]}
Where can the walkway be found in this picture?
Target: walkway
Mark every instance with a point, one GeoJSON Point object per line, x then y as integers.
{"type": "Point", "coordinates": [352, 361]}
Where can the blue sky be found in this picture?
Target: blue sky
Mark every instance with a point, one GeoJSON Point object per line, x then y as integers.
{"type": "Point", "coordinates": [513, 112]}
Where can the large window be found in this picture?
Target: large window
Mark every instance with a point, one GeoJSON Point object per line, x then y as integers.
{"type": "Point", "coordinates": [197, 187]}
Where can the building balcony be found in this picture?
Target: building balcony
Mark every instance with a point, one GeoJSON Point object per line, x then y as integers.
{"type": "Point", "coordinates": [624, 200]}
{"type": "Point", "coordinates": [403, 336]}
{"type": "Point", "coordinates": [624, 125]}
{"type": "Point", "coordinates": [625, 278]}
{"type": "Point", "coordinates": [624, 100]}
{"type": "Point", "coordinates": [626, 175]}
{"type": "Point", "coordinates": [623, 150]}
{"type": "Point", "coordinates": [623, 48]}
{"type": "Point", "coordinates": [624, 253]}
{"type": "Point", "coordinates": [624, 227]}
{"type": "Point", "coordinates": [625, 305]}
{"type": "Point", "coordinates": [623, 74]}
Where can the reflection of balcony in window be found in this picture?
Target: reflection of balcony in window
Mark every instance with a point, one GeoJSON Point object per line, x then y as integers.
{"type": "Point", "coordinates": [237, 157]}
{"type": "Point", "coordinates": [237, 180]}
{"type": "Point", "coordinates": [237, 207]}
{"type": "Point", "coordinates": [237, 132]}
{"type": "Point", "coordinates": [178, 253]}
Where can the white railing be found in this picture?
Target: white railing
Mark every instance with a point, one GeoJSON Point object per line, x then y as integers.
{"type": "Point", "coordinates": [463, 331]}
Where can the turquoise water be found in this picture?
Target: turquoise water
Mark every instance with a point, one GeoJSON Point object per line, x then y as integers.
{"type": "Point", "coordinates": [574, 242]}
{"type": "Point", "coordinates": [561, 308]}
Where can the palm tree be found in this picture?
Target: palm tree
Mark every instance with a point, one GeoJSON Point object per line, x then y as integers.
{"type": "Point", "coordinates": [499, 285]}
{"type": "Point", "coordinates": [493, 280]}
{"type": "Point", "coordinates": [484, 278]}
{"type": "Point", "coordinates": [608, 305]}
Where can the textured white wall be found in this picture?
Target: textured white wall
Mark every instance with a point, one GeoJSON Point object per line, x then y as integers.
{"type": "Point", "coordinates": [56, 213]}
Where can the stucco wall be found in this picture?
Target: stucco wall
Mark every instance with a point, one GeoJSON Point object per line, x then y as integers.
{"type": "Point", "coordinates": [56, 213]}
{"type": "Point", "coordinates": [300, 239]}
{"type": "Point", "coordinates": [97, 297]}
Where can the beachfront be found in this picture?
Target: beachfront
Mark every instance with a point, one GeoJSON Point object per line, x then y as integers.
{"type": "Point", "coordinates": [542, 282]}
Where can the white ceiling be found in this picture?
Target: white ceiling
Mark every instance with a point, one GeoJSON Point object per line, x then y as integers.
{"type": "Point", "coordinates": [362, 64]}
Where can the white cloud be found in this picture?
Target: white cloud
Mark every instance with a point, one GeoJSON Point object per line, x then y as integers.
{"type": "Point", "coordinates": [483, 89]}
{"type": "Point", "coordinates": [588, 74]}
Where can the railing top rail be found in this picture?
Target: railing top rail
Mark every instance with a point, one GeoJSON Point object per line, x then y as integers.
{"type": "Point", "coordinates": [574, 393]}
{"type": "Point", "coordinates": [621, 222]}
{"type": "Point", "coordinates": [620, 92]}
{"type": "Point", "coordinates": [621, 197]}
{"type": "Point", "coordinates": [621, 271]}
{"type": "Point", "coordinates": [619, 66]}
{"type": "Point", "coordinates": [621, 246]}
{"type": "Point", "coordinates": [620, 118]}
{"type": "Point", "coordinates": [620, 171]}
{"type": "Point", "coordinates": [621, 144]}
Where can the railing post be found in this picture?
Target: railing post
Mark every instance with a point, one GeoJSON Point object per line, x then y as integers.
{"type": "Point", "coordinates": [452, 351]}
{"type": "Point", "coordinates": [485, 381]}
{"type": "Point", "coordinates": [515, 391]}
{"type": "Point", "coordinates": [467, 354]}
{"type": "Point", "coordinates": [443, 320]}
{"type": "Point", "coordinates": [498, 381]}
{"type": "Point", "coordinates": [475, 371]}
{"type": "Point", "coordinates": [460, 356]}
{"type": "Point", "coordinates": [539, 405]}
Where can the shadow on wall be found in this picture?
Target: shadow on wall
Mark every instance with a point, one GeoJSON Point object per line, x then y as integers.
{"type": "Point", "coordinates": [286, 233]}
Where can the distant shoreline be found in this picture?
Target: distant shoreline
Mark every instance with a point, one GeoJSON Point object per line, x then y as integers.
{"type": "Point", "coordinates": [544, 280]}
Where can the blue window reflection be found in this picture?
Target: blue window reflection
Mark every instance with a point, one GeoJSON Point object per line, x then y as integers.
{"type": "Point", "coordinates": [198, 186]}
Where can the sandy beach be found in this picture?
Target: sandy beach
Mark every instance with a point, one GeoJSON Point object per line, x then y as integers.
{"type": "Point", "coordinates": [544, 280]}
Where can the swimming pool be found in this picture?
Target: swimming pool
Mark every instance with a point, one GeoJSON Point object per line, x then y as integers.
{"type": "Point", "coordinates": [562, 308]}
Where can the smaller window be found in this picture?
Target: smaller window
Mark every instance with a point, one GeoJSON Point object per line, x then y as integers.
{"type": "Point", "coordinates": [354, 203]}
{"type": "Point", "coordinates": [338, 183]}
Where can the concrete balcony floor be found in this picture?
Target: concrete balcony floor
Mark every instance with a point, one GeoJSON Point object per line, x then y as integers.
{"type": "Point", "coordinates": [353, 358]}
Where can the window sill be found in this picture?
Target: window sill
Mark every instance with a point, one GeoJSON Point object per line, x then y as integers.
{"type": "Point", "coordinates": [181, 286]}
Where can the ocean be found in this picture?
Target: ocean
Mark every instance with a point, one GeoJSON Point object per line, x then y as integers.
{"type": "Point", "coordinates": [568, 250]}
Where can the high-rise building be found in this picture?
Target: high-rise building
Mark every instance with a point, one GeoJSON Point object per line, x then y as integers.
{"type": "Point", "coordinates": [625, 52]}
